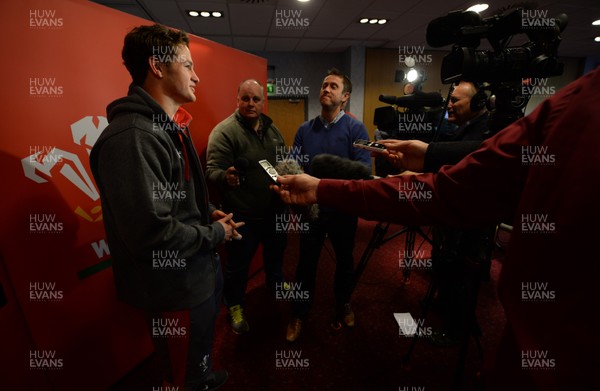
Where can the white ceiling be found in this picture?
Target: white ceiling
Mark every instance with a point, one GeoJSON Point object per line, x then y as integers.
{"type": "Point", "coordinates": [251, 25]}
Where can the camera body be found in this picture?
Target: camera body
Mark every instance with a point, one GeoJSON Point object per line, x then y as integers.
{"type": "Point", "coordinates": [504, 68]}
{"type": "Point", "coordinates": [465, 29]}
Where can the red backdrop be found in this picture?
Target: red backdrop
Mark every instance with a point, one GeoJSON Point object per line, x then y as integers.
{"type": "Point", "coordinates": [62, 326]}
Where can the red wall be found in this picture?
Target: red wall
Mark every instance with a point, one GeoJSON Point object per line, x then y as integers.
{"type": "Point", "coordinates": [61, 67]}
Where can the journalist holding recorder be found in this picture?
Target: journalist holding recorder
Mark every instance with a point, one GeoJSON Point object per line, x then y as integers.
{"type": "Point", "coordinates": [507, 180]}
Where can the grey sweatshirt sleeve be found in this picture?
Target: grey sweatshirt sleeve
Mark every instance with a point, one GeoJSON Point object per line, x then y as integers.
{"type": "Point", "coordinates": [130, 167]}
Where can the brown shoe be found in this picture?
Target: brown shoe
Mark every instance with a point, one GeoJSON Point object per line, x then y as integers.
{"type": "Point", "coordinates": [293, 330]}
{"type": "Point", "coordinates": [348, 315]}
{"type": "Point", "coordinates": [343, 314]}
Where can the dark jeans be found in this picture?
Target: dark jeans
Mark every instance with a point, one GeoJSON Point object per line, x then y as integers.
{"type": "Point", "coordinates": [183, 340]}
{"type": "Point", "coordinates": [341, 230]}
{"type": "Point", "coordinates": [241, 252]}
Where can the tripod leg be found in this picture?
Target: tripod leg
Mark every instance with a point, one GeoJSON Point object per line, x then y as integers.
{"type": "Point", "coordinates": [409, 250]}
{"type": "Point", "coordinates": [376, 240]}
{"type": "Point", "coordinates": [426, 304]}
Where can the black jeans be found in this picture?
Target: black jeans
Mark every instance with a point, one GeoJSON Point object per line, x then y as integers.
{"type": "Point", "coordinates": [241, 252]}
{"type": "Point", "coordinates": [183, 340]}
{"type": "Point", "coordinates": [341, 230]}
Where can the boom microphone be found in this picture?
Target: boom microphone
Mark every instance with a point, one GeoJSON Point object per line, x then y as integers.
{"type": "Point", "coordinates": [414, 101]}
{"type": "Point", "coordinates": [327, 166]}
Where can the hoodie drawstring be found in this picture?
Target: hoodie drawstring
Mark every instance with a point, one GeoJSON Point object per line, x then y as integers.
{"type": "Point", "coordinates": [185, 156]}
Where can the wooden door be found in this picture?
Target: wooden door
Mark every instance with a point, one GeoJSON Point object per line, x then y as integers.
{"type": "Point", "coordinates": [287, 115]}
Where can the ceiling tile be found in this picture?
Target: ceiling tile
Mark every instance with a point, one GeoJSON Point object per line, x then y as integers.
{"type": "Point", "coordinates": [281, 44]}
{"type": "Point", "coordinates": [336, 19]}
{"type": "Point", "coordinates": [249, 43]}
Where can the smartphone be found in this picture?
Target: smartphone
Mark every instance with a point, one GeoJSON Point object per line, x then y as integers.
{"type": "Point", "coordinates": [369, 145]}
{"type": "Point", "coordinates": [269, 169]}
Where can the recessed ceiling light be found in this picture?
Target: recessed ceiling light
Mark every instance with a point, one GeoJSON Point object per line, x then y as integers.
{"type": "Point", "coordinates": [372, 21]}
{"type": "Point", "coordinates": [205, 14]}
{"type": "Point", "coordinates": [597, 39]}
{"type": "Point", "coordinates": [596, 22]}
{"type": "Point", "coordinates": [217, 14]}
{"type": "Point", "coordinates": [304, 1]}
{"type": "Point", "coordinates": [193, 13]}
{"type": "Point", "coordinates": [478, 7]}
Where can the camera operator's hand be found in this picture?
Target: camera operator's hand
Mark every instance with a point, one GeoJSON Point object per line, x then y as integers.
{"type": "Point", "coordinates": [297, 189]}
{"type": "Point", "coordinates": [405, 154]}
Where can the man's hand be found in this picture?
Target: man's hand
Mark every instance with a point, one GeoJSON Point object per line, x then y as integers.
{"type": "Point", "coordinates": [229, 225]}
{"type": "Point", "coordinates": [405, 154]}
{"type": "Point", "coordinates": [297, 189]}
{"type": "Point", "coordinates": [232, 177]}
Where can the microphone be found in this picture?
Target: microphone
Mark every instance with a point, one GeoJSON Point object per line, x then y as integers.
{"type": "Point", "coordinates": [327, 166]}
{"type": "Point", "coordinates": [291, 167]}
{"type": "Point", "coordinates": [241, 165]}
{"type": "Point", "coordinates": [414, 101]}
{"type": "Point", "coordinates": [288, 167]}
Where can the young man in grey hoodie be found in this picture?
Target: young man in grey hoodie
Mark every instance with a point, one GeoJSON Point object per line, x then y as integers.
{"type": "Point", "coordinates": [161, 229]}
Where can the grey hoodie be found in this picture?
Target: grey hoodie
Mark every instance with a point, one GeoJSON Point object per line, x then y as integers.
{"type": "Point", "coordinates": [155, 208]}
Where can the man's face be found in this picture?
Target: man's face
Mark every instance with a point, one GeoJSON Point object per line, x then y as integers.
{"type": "Point", "coordinates": [179, 77]}
{"type": "Point", "coordinates": [250, 100]}
{"type": "Point", "coordinates": [331, 92]}
{"type": "Point", "coordinates": [459, 111]}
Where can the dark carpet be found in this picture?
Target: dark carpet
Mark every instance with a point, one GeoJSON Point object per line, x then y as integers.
{"type": "Point", "coordinates": [366, 357]}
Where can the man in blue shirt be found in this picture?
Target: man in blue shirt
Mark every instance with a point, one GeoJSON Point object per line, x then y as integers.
{"type": "Point", "coordinates": [332, 132]}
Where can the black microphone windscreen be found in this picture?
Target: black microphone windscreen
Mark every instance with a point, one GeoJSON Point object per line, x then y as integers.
{"type": "Point", "coordinates": [420, 99]}
{"type": "Point", "coordinates": [241, 164]}
{"type": "Point", "coordinates": [416, 100]}
{"type": "Point", "coordinates": [389, 99]}
{"type": "Point", "coordinates": [327, 166]}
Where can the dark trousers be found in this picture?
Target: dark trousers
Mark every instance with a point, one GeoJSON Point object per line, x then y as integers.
{"type": "Point", "coordinates": [183, 340]}
{"type": "Point", "coordinates": [341, 230]}
{"type": "Point", "coordinates": [241, 252]}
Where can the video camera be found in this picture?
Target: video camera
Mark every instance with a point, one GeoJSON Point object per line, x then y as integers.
{"type": "Point", "coordinates": [504, 67]}
{"type": "Point", "coordinates": [418, 120]}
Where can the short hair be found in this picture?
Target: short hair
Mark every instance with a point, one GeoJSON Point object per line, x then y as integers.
{"type": "Point", "coordinates": [142, 42]}
{"type": "Point", "coordinates": [346, 80]}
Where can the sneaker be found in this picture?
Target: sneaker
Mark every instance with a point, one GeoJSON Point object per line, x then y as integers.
{"type": "Point", "coordinates": [213, 381]}
{"type": "Point", "coordinates": [345, 315]}
{"type": "Point", "coordinates": [293, 330]}
{"type": "Point", "coordinates": [238, 323]}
